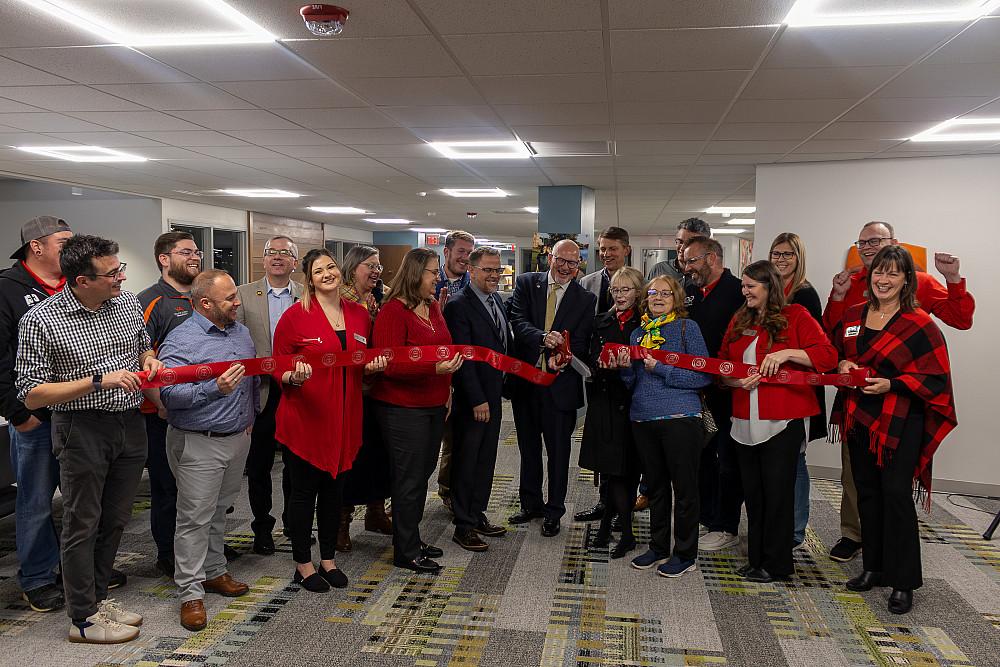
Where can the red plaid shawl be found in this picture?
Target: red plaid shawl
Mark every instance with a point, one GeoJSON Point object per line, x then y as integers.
{"type": "Point", "coordinates": [911, 352]}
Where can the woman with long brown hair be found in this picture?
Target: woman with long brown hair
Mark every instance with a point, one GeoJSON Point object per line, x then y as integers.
{"type": "Point", "coordinates": [768, 425]}
{"type": "Point", "coordinates": [411, 400]}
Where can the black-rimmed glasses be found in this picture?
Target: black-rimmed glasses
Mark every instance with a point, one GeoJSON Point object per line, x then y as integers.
{"type": "Point", "coordinates": [114, 274]}
{"type": "Point", "coordinates": [187, 252]}
{"type": "Point", "coordinates": [872, 243]}
{"type": "Point", "coordinates": [571, 263]}
{"type": "Point", "coordinates": [776, 255]}
{"type": "Point", "coordinates": [489, 271]}
{"type": "Point", "coordinates": [662, 292]}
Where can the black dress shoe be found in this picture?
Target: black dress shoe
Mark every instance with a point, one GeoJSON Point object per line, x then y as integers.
{"type": "Point", "coordinates": [742, 571]}
{"type": "Point", "coordinates": [550, 527]}
{"type": "Point", "coordinates": [758, 575]}
{"type": "Point", "coordinates": [263, 545]}
{"type": "Point", "coordinates": [230, 553]}
{"type": "Point", "coordinates": [166, 567]}
{"type": "Point", "coordinates": [335, 577]}
{"type": "Point", "coordinates": [118, 579]}
{"type": "Point", "coordinates": [845, 549]}
{"type": "Point", "coordinates": [430, 551]}
{"type": "Point", "coordinates": [488, 529]}
{"type": "Point", "coordinates": [314, 583]}
{"type": "Point", "coordinates": [469, 540]}
{"type": "Point", "coordinates": [864, 581]}
{"type": "Point", "coordinates": [524, 516]}
{"type": "Point", "coordinates": [622, 548]}
{"type": "Point", "coordinates": [618, 523]}
{"type": "Point", "coordinates": [595, 513]}
{"type": "Point", "coordinates": [601, 539]}
{"type": "Point", "coordinates": [900, 602]}
{"type": "Point", "coordinates": [423, 565]}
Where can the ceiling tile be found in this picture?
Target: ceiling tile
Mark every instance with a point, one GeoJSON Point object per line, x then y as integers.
{"type": "Point", "coordinates": [236, 62]}
{"type": "Point", "coordinates": [553, 114]}
{"type": "Point", "coordinates": [793, 111]}
{"type": "Point", "coordinates": [874, 130]}
{"type": "Point", "coordinates": [740, 159]}
{"type": "Point", "coordinates": [830, 146]}
{"type": "Point", "coordinates": [106, 139]}
{"type": "Point", "coordinates": [857, 45]}
{"type": "Point", "coordinates": [384, 136]}
{"type": "Point", "coordinates": [946, 81]}
{"type": "Point", "coordinates": [21, 24]}
{"type": "Point", "coordinates": [913, 109]}
{"type": "Point", "coordinates": [563, 132]}
{"type": "Point", "coordinates": [443, 116]}
{"type": "Point", "coordinates": [415, 91]}
{"type": "Point", "coordinates": [641, 113]}
{"type": "Point", "coordinates": [812, 84]}
{"type": "Point", "coordinates": [476, 133]}
{"type": "Point", "coordinates": [529, 53]}
{"type": "Point", "coordinates": [696, 13]}
{"type": "Point", "coordinates": [176, 96]}
{"type": "Point", "coordinates": [292, 94]}
{"type": "Point", "coordinates": [543, 88]}
{"type": "Point", "coordinates": [104, 64]}
{"type": "Point", "coordinates": [679, 50]}
{"type": "Point", "coordinates": [229, 152]}
{"type": "Point", "coordinates": [249, 119]}
{"type": "Point", "coordinates": [979, 44]}
{"type": "Point", "coordinates": [67, 98]}
{"type": "Point", "coordinates": [408, 151]}
{"type": "Point", "coordinates": [316, 150]}
{"type": "Point", "coordinates": [131, 121]}
{"type": "Point", "coordinates": [336, 118]}
{"type": "Point", "coordinates": [15, 74]}
{"type": "Point", "coordinates": [658, 147]}
{"type": "Point", "coordinates": [664, 131]}
{"type": "Point", "coordinates": [749, 147]}
{"type": "Point", "coordinates": [47, 122]}
{"type": "Point", "coordinates": [384, 56]}
{"type": "Point", "coordinates": [10, 106]}
{"type": "Point", "coordinates": [449, 17]}
{"type": "Point", "coordinates": [765, 131]}
{"type": "Point", "coordinates": [193, 138]}
{"type": "Point", "coordinates": [670, 86]}
{"type": "Point", "coordinates": [279, 137]}
{"type": "Point", "coordinates": [369, 18]}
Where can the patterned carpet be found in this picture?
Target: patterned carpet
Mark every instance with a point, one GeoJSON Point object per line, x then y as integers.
{"type": "Point", "coordinates": [549, 602]}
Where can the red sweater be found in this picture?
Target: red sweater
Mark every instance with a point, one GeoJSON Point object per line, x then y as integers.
{"type": "Point", "coordinates": [783, 401]}
{"type": "Point", "coordinates": [954, 305]}
{"type": "Point", "coordinates": [410, 385]}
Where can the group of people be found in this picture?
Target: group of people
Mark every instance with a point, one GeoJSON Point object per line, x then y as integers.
{"type": "Point", "coordinates": [699, 447]}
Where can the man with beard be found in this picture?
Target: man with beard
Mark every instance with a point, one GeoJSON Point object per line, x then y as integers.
{"type": "Point", "coordinates": [165, 305]}
{"type": "Point", "coordinates": [686, 230]}
{"type": "Point", "coordinates": [208, 439]}
{"type": "Point", "coordinates": [713, 297]}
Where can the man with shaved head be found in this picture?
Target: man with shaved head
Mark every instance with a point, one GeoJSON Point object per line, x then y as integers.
{"type": "Point", "coordinates": [544, 305]}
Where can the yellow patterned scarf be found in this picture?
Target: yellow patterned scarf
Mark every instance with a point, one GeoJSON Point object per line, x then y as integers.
{"type": "Point", "coordinates": [652, 338]}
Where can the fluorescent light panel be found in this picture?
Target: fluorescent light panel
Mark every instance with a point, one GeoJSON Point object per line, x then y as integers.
{"type": "Point", "coordinates": [261, 193]}
{"type": "Point", "coordinates": [727, 230]}
{"type": "Point", "coordinates": [197, 22]}
{"type": "Point", "coordinates": [825, 12]}
{"type": "Point", "coordinates": [975, 125]}
{"type": "Point", "coordinates": [531, 209]}
{"type": "Point", "coordinates": [481, 150]}
{"type": "Point", "coordinates": [388, 221]}
{"type": "Point", "coordinates": [742, 221]}
{"type": "Point", "coordinates": [429, 230]}
{"type": "Point", "coordinates": [474, 192]}
{"type": "Point", "coordinates": [82, 153]}
{"type": "Point", "coordinates": [730, 210]}
{"type": "Point", "coordinates": [342, 210]}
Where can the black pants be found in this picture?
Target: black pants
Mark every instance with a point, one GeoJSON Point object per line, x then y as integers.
{"type": "Point", "coordinates": [162, 488]}
{"type": "Point", "coordinates": [670, 451]}
{"type": "Point", "coordinates": [101, 455]}
{"type": "Point", "coordinates": [721, 484]}
{"type": "Point", "coordinates": [536, 417]}
{"type": "Point", "coordinates": [313, 491]}
{"type": "Point", "coordinates": [889, 535]}
{"type": "Point", "coordinates": [368, 479]}
{"type": "Point", "coordinates": [260, 461]}
{"type": "Point", "coordinates": [473, 460]}
{"type": "Point", "coordinates": [413, 439]}
{"type": "Point", "coordinates": [769, 471]}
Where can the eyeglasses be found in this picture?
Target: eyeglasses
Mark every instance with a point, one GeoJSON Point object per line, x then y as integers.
{"type": "Point", "coordinates": [775, 255]}
{"type": "Point", "coordinates": [375, 268]}
{"type": "Point", "coordinates": [187, 252]}
{"type": "Point", "coordinates": [114, 274]}
{"type": "Point", "coordinates": [663, 292]}
{"type": "Point", "coordinates": [688, 262]}
{"type": "Point", "coordinates": [278, 252]}
{"type": "Point", "coordinates": [872, 243]}
{"type": "Point", "coordinates": [489, 271]}
{"type": "Point", "coordinates": [615, 291]}
{"type": "Point", "coordinates": [571, 263]}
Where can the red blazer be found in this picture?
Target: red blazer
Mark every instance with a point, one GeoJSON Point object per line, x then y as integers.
{"type": "Point", "coordinates": [413, 385]}
{"type": "Point", "coordinates": [321, 420]}
{"type": "Point", "coordinates": [783, 401]}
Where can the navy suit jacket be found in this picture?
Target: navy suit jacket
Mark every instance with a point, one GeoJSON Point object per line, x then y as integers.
{"type": "Point", "coordinates": [470, 323]}
{"type": "Point", "coordinates": [527, 316]}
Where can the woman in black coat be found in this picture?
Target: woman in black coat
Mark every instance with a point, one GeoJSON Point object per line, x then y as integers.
{"type": "Point", "coordinates": [607, 447]}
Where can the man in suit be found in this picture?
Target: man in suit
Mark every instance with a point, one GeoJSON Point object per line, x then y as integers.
{"type": "Point", "coordinates": [543, 305]}
{"type": "Point", "coordinates": [476, 316]}
{"type": "Point", "coordinates": [264, 301]}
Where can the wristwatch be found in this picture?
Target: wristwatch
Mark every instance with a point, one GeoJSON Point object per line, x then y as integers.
{"type": "Point", "coordinates": [96, 381]}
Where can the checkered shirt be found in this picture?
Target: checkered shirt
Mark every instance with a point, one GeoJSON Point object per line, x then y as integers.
{"type": "Point", "coordinates": [60, 340]}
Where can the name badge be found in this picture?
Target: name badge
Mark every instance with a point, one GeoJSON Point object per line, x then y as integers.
{"type": "Point", "coordinates": [749, 332]}
{"type": "Point", "coordinates": [852, 331]}
{"type": "Point", "coordinates": [361, 339]}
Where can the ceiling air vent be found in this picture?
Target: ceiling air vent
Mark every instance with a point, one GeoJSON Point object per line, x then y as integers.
{"type": "Point", "coordinates": [570, 148]}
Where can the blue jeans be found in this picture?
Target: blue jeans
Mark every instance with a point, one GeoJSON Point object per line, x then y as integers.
{"type": "Point", "coordinates": [37, 472]}
{"type": "Point", "coordinates": [801, 499]}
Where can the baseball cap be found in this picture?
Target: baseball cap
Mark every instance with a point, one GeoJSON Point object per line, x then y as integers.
{"type": "Point", "coordinates": [37, 228]}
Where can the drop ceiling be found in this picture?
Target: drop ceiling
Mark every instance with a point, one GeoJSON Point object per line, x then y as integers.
{"type": "Point", "coordinates": [675, 103]}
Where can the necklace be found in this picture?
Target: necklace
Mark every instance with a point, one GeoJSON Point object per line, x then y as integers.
{"type": "Point", "coordinates": [426, 320]}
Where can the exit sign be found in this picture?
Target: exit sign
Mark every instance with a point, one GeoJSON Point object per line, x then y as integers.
{"type": "Point", "coordinates": [433, 239]}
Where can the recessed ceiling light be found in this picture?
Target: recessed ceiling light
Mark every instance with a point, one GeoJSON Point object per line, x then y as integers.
{"type": "Point", "coordinates": [428, 230]}
{"type": "Point", "coordinates": [345, 210]}
{"type": "Point", "coordinates": [174, 23]}
{"type": "Point", "coordinates": [742, 221]}
{"type": "Point", "coordinates": [839, 12]}
{"type": "Point", "coordinates": [727, 211]}
{"type": "Point", "coordinates": [531, 209]}
{"type": "Point", "coordinates": [481, 150]}
{"type": "Point", "coordinates": [977, 130]}
{"type": "Point", "coordinates": [726, 230]}
{"type": "Point", "coordinates": [260, 192]}
{"type": "Point", "coordinates": [388, 221]}
{"type": "Point", "coordinates": [474, 192]}
{"type": "Point", "coordinates": [82, 153]}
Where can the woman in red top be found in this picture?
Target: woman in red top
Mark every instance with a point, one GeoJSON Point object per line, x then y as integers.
{"type": "Point", "coordinates": [319, 417]}
{"type": "Point", "coordinates": [768, 424]}
{"type": "Point", "coordinates": [412, 400]}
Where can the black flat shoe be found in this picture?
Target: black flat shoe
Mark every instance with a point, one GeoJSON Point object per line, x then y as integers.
{"type": "Point", "coordinates": [758, 575]}
{"type": "Point", "coordinates": [430, 551]}
{"type": "Point", "coordinates": [601, 539]}
{"type": "Point", "coordinates": [900, 602]}
{"type": "Point", "coordinates": [230, 553]}
{"type": "Point", "coordinates": [618, 523]}
{"type": "Point", "coordinates": [263, 545]}
{"type": "Point", "coordinates": [335, 577]}
{"type": "Point", "coordinates": [524, 517]}
{"type": "Point", "coordinates": [864, 581]}
{"type": "Point", "coordinates": [595, 513]}
{"type": "Point", "coordinates": [742, 571]}
{"type": "Point", "coordinates": [622, 548]}
{"type": "Point", "coordinates": [422, 565]}
{"type": "Point", "coordinates": [550, 527]}
{"type": "Point", "coordinates": [314, 583]}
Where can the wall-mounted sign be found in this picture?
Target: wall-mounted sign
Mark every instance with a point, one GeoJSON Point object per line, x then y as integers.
{"type": "Point", "coordinates": [433, 239]}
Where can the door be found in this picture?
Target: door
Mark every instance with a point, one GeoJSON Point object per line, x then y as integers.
{"type": "Point", "coordinates": [391, 257]}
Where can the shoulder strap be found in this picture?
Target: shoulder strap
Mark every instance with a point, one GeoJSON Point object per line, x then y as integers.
{"type": "Point", "coordinates": [684, 343]}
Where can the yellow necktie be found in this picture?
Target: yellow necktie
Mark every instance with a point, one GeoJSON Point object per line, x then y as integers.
{"type": "Point", "coordinates": [550, 305]}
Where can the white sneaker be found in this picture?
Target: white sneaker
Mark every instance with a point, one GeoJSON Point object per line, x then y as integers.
{"type": "Point", "coordinates": [114, 612]}
{"type": "Point", "coordinates": [718, 540]}
{"type": "Point", "coordinates": [99, 629]}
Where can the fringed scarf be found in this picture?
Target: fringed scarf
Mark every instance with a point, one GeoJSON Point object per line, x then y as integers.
{"type": "Point", "coordinates": [910, 350]}
{"type": "Point", "coordinates": [652, 338]}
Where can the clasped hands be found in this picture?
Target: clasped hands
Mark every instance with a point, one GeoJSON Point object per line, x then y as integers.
{"type": "Point", "coordinates": [875, 385]}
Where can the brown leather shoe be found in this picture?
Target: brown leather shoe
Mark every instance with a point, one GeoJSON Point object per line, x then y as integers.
{"type": "Point", "coordinates": [376, 520]}
{"type": "Point", "coordinates": [344, 531]}
{"type": "Point", "coordinates": [469, 540]}
{"type": "Point", "coordinates": [641, 503]}
{"type": "Point", "coordinates": [225, 585]}
{"type": "Point", "coordinates": [193, 616]}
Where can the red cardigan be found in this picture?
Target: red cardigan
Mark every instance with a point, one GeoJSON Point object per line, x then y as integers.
{"type": "Point", "coordinates": [783, 401]}
{"type": "Point", "coordinates": [411, 385]}
{"type": "Point", "coordinates": [321, 420]}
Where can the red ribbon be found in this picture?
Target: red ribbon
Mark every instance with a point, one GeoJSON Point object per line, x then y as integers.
{"type": "Point", "coordinates": [396, 355]}
{"type": "Point", "coordinates": [738, 369]}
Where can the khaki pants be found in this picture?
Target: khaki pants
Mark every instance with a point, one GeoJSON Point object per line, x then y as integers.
{"type": "Point", "coordinates": [850, 521]}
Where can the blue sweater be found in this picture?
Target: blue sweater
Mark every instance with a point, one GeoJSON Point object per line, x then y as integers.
{"type": "Point", "coordinates": [667, 390]}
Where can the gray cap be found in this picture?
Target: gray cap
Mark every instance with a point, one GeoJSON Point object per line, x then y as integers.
{"type": "Point", "coordinates": [37, 228]}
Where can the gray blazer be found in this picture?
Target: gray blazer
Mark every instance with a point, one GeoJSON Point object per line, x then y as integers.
{"type": "Point", "coordinates": [592, 283]}
{"type": "Point", "coordinates": [254, 314]}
